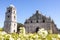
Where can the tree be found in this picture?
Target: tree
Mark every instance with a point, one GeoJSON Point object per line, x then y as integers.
{"type": "Point", "coordinates": [1, 29]}
{"type": "Point", "coordinates": [18, 26]}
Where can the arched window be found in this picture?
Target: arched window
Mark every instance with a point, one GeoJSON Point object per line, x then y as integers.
{"type": "Point", "coordinates": [14, 30]}
{"type": "Point", "coordinates": [8, 16]}
{"type": "Point", "coordinates": [14, 12]}
{"type": "Point", "coordinates": [9, 11]}
{"type": "Point", "coordinates": [31, 21]}
{"type": "Point", "coordinates": [37, 21]}
{"type": "Point", "coordinates": [14, 25]}
{"type": "Point", "coordinates": [14, 17]}
{"type": "Point", "coordinates": [43, 21]}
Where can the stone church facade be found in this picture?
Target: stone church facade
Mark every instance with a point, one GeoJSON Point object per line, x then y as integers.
{"type": "Point", "coordinates": [38, 21]}
{"type": "Point", "coordinates": [35, 22]}
{"type": "Point", "coordinates": [10, 24]}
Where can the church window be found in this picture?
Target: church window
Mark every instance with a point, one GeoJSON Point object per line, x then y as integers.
{"type": "Point", "coordinates": [31, 21]}
{"type": "Point", "coordinates": [43, 21]}
{"type": "Point", "coordinates": [14, 17]}
{"type": "Point", "coordinates": [14, 11]}
{"type": "Point", "coordinates": [37, 21]}
{"type": "Point", "coordinates": [8, 16]}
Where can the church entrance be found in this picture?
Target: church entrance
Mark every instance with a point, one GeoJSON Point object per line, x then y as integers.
{"type": "Point", "coordinates": [37, 29]}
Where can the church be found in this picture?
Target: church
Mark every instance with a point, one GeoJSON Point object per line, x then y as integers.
{"type": "Point", "coordinates": [32, 25]}
{"type": "Point", "coordinates": [38, 21]}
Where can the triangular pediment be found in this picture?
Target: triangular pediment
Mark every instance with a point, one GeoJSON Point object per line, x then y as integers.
{"type": "Point", "coordinates": [37, 16]}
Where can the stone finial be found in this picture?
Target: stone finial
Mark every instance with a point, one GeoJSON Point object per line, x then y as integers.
{"type": "Point", "coordinates": [37, 11]}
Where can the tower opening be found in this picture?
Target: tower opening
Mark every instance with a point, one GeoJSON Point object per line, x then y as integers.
{"type": "Point", "coordinates": [9, 11]}
{"type": "Point", "coordinates": [14, 30]}
{"type": "Point", "coordinates": [37, 21]}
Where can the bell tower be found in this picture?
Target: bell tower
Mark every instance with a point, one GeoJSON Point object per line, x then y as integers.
{"type": "Point", "coordinates": [10, 24]}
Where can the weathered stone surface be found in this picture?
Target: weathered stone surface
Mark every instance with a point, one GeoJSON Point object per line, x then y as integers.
{"type": "Point", "coordinates": [39, 21]}
{"type": "Point", "coordinates": [10, 24]}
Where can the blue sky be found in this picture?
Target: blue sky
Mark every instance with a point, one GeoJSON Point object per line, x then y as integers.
{"type": "Point", "coordinates": [26, 8]}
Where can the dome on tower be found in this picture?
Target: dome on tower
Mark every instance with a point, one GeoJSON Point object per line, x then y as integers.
{"type": "Point", "coordinates": [12, 6]}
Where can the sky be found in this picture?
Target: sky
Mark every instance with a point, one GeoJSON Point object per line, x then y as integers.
{"type": "Point", "coordinates": [26, 8]}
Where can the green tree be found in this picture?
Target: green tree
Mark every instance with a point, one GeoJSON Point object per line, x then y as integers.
{"type": "Point", "coordinates": [18, 26]}
{"type": "Point", "coordinates": [1, 29]}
